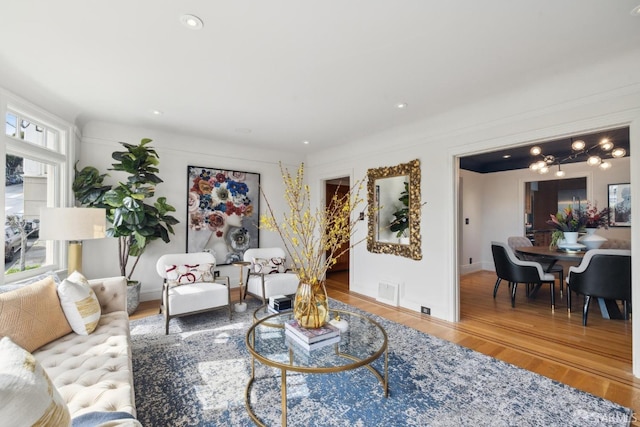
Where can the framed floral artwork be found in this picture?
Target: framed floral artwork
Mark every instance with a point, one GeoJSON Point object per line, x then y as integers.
{"type": "Point", "coordinates": [222, 212]}
{"type": "Point", "coordinates": [619, 205]}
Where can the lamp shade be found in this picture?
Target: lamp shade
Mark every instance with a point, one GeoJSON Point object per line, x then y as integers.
{"type": "Point", "coordinates": [72, 223]}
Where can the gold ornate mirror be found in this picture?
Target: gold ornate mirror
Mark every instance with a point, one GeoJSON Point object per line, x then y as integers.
{"type": "Point", "coordinates": [394, 210]}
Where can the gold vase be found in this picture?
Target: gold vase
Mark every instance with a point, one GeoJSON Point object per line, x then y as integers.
{"type": "Point", "coordinates": [311, 307]}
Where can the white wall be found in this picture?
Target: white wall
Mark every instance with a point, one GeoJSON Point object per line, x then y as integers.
{"type": "Point", "coordinates": [472, 200]}
{"type": "Point", "coordinates": [176, 152]}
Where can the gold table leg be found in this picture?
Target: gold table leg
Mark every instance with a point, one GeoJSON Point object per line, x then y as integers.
{"type": "Point", "coordinates": [284, 396]}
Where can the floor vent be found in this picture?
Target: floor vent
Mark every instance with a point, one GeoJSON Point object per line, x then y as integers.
{"type": "Point", "coordinates": [388, 293]}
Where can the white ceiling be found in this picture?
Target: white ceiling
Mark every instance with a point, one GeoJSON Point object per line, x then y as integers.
{"type": "Point", "coordinates": [275, 73]}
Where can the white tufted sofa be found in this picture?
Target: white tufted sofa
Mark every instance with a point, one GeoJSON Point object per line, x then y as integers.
{"type": "Point", "coordinates": [93, 373]}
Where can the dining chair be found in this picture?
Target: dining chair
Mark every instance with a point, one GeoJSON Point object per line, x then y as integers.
{"type": "Point", "coordinates": [510, 268]}
{"type": "Point", "coordinates": [548, 265]}
{"type": "Point", "coordinates": [604, 274]}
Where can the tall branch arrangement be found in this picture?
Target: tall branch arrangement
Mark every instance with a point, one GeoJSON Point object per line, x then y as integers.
{"type": "Point", "coordinates": [314, 240]}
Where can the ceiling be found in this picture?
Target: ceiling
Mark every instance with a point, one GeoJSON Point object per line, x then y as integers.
{"type": "Point", "coordinates": [520, 157]}
{"type": "Point", "coordinates": [276, 73]}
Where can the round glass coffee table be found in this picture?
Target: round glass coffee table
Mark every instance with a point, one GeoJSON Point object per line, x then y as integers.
{"type": "Point", "coordinates": [363, 343]}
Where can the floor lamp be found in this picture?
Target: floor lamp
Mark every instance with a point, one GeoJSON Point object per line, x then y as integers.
{"type": "Point", "coordinates": [73, 225]}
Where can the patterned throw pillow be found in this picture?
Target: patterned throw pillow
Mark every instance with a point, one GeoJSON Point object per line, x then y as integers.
{"type": "Point", "coordinates": [269, 266]}
{"type": "Point", "coordinates": [32, 315]}
{"type": "Point", "coordinates": [27, 394]}
{"type": "Point", "coordinates": [183, 274]}
{"type": "Point", "coordinates": [79, 303]}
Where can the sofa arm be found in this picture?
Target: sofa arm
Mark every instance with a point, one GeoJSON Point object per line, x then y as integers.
{"type": "Point", "coordinates": [111, 293]}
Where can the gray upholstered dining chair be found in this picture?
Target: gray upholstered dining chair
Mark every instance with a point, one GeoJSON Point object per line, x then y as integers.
{"type": "Point", "coordinates": [548, 265]}
{"type": "Point", "coordinates": [510, 268]}
{"type": "Point", "coordinates": [603, 273]}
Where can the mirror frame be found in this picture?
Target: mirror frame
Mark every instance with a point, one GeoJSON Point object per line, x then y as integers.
{"type": "Point", "coordinates": [414, 249]}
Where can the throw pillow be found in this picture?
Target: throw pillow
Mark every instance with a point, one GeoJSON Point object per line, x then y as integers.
{"type": "Point", "coordinates": [278, 264]}
{"type": "Point", "coordinates": [77, 277]}
{"type": "Point", "coordinates": [183, 274]}
{"type": "Point", "coordinates": [27, 394]}
{"type": "Point", "coordinates": [79, 304]}
{"type": "Point", "coordinates": [32, 315]}
{"type": "Point", "coordinates": [269, 266]}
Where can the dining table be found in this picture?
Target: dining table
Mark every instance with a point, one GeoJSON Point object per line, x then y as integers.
{"type": "Point", "coordinates": [608, 308]}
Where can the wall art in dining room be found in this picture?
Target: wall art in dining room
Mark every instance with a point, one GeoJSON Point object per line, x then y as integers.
{"type": "Point", "coordinates": [223, 210]}
{"type": "Point", "coordinates": [619, 205]}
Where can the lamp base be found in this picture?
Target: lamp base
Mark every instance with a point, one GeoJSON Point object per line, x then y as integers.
{"type": "Point", "coordinates": [74, 259]}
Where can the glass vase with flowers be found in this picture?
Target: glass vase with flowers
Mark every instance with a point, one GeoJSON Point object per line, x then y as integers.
{"type": "Point", "coordinates": [566, 222]}
{"type": "Point", "coordinates": [313, 240]}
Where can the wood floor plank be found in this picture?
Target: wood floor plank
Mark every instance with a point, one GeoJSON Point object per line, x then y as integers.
{"type": "Point", "coordinates": [595, 359]}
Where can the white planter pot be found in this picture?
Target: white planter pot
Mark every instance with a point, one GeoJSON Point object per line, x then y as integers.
{"type": "Point", "coordinates": [133, 297]}
{"type": "Point", "coordinates": [570, 238]}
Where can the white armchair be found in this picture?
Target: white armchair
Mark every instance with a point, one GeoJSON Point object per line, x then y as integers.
{"type": "Point", "coordinates": [189, 285]}
{"type": "Point", "coordinates": [268, 275]}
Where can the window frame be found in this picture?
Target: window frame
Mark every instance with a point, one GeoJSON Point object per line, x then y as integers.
{"type": "Point", "coordinates": [60, 160]}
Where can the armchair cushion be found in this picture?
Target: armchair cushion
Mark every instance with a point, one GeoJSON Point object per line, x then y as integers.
{"type": "Point", "coordinates": [189, 273]}
{"type": "Point", "coordinates": [274, 284]}
{"type": "Point", "coordinates": [197, 296]}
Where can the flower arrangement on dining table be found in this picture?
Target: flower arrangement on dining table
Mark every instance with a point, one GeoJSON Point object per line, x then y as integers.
{"type": "Point", "coordinates": [313, 240]}
{"type": "Point", "coordinates": [576, 220]}
{"type": "Point", "coordinates": [595, 218]}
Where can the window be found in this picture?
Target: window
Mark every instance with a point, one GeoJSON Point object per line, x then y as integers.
{"type": "Point", "coordinates": [37, 172]}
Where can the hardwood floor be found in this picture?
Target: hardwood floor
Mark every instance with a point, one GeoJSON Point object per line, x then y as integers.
{"type": "Point", "coordinates": [595, 359]}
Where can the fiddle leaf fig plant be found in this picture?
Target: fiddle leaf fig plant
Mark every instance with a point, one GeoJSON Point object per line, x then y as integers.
{"type": "Point", "coordinates": [134, 220]}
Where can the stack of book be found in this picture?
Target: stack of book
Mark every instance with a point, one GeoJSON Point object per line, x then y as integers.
{"type": "Point", "coordinates": [311, 339]}
{"type": "Point", "coordinates": [279, 303]}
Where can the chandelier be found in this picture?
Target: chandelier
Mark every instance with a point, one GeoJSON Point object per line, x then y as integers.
{"type": "Point", "coordinates": [594, 156]}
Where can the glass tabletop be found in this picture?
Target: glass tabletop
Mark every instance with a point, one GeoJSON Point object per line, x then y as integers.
{"type": "Point", "coordinates": [363, 342]}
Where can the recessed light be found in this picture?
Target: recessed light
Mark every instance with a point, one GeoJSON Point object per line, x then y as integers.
{"type": "Point", "coordinates": [305, 142]}
{"type": "Point", "coordinates": [157, 112]}
{"type": "Point", "coordinates": [635, 11]}
{"type": "Point", "coordinates": [401, 105]}
{"type": "Point", "coordinates": [506, 156]}
{"type": "Point", "coordinates": [192, 22]}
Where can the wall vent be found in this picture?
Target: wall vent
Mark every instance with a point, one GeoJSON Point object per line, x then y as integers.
{"type": "Point", "coordinates": [388, 293]}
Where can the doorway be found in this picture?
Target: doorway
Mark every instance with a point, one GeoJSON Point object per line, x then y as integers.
{"type": "Point", "coordinates": [338, 274]}
{"type": "Point", "coordinates": [467, 301]}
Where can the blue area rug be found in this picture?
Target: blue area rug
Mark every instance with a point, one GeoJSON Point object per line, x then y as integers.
{"type": "Point", "coordinates": [196, 376]}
